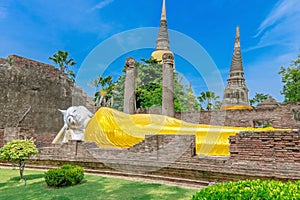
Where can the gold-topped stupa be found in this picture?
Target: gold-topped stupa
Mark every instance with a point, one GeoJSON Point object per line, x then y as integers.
{"type": "Point", "coordinates": [162, 42]}
{"type": "Point", "coordinates": [236, 91]}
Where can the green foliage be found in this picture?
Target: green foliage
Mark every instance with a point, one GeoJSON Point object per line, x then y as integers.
{"type": "Point", "coordinates": [259, 98]}
{"type": "Point", "coordinates": [250, 189]}
{"type": "Point", "coordinates": [118, 95]}
{"type": "Point", "coordinates": [291, 81]}
{"type": "Point", "coordinates": [61, 59]}
{"type": "Point", "coordinates": [217, 105]}
{"type": "Point", "coordinates": [104, 91]}
{"type": "Point", "coordinates": [151, 72]}
{"type": "Point", "coordinates": [184, 98]}
{"type": "Point", "coordinates": [66, 175]}
{"type": "Point", "coordinates": [209, 100]}
{"type": "Point", "coordinates": [149, 95]}
{"type": "Point", "coordinates": [18, 151]}
{"type": "Point", "coordinates": [10, 61]}
{"type": "Point", "coordinates": [149, 88]}
{"type": "Point", "coordinates": [151, 60]}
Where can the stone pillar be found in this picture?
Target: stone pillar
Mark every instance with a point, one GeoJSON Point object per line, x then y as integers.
{"type": "Point", "coordinates": [129, 88]}
{"type": "Point", "coordinates": [168, 85]}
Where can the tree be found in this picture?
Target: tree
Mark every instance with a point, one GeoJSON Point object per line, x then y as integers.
{"type": "Point", "coordinates": [105, 88]}
{"type": "Point", "coordinates": [18, 151]}
{"type": "Point", "coordinates": [151, 60]}
{"type": "Point", "coordinates": [259, 98]}
{"type": "Point", "coordinates": [64, 63]}
{"type": "Point", "coordinates": [149, 88]}
{"type": "Point", "coordinates": [208, 98]}
{"type": "Point", "coordinates": [149, 95]}
{"type": "Point", "coordinates": [149, 84]}
{"type": "Point", "coordinates": [192, 99]}
{"type": "Point", "coordinates": [291, 80]}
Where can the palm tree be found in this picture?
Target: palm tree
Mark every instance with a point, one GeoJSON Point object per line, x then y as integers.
{"type": "Point", "coordinates": [61, 59]}
{"type": "Point", "coordinates": [105, 89]}
{"type": "Point", "coordinates": [207, 97]}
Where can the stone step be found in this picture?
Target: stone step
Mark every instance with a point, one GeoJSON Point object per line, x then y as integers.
{"type": "Point", "coordinates": [191, 183]}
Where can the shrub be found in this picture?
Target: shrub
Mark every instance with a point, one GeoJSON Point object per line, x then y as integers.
{"type": "Point", "coordinates": [18, 151]}
{"type": "Point", "coordinates": [255, 189]}
{"type": "Point", "coordinates": [66, 175]}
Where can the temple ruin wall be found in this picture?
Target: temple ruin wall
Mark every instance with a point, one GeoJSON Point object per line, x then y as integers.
{"type": "Point", "coordinates": [32, 92]}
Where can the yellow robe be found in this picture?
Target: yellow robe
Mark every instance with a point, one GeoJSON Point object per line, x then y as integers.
{"type": "Point", "coordinates": [110, 128]}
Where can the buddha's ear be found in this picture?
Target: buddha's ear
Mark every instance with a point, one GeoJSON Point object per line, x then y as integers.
{"type": "Point", "coordinates": [64, 112]}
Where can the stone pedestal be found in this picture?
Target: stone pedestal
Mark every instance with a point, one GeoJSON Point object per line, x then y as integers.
{"type": "Point", "coordinates": [129, 88]}
{"type": "Point", "coordinates": [168, 85]}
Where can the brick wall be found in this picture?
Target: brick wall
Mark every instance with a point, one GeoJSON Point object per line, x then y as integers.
{"type": "Point", "coordinates": [174, 156]}
{"type": "Point", "coordinates": [79, 97]}
{"type": "Point", "coordinates": [2, 61]}
{"type": "Point", "coordinates": [12, 133]}
{"type": "Point", "coordinates": [279, 116]}
{"type": "Point", "coordinates": [31, 94]}
{"type": "Point", "coordinates": [282, 116]}
{"type": "Point", "coordinates": [155, 152]}
{"type": "Point", "coordinates": [269, 147]}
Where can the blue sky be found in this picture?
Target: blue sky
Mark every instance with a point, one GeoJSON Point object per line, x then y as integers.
{"type": "Point", "coordinates": [270, 37]}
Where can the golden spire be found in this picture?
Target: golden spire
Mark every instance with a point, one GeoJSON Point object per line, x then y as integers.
{"type": "Point", "coordinates": [162, 42]}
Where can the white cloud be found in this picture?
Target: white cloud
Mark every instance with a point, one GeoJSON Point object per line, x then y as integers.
{"type": "Point", "coordinates": [278, 43]}
{"type": "Point", "coordinates": [281, 10]}
{"type": "Point", "coordinates": [101, 5]}
{"type": "Point", "coordinates": [281, 26]}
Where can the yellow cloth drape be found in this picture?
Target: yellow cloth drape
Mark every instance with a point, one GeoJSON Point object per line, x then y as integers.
{"type": "Point", "coordinates": [110, 128]}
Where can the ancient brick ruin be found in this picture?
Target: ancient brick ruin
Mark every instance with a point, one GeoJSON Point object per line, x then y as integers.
{"type": "Point", "coordinates": [281, 116]}
{"type": "Point", "coordinates": [31, 93]}
{"type": "Point", "coordinates": [266, 147]}
{"type": "Point", "coordinates": [266, 155]}
{"type": "Point", "coordinates": [285, 115]}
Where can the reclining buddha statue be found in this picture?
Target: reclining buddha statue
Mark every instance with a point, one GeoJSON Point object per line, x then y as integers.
{"type": "Point", "coordinates": [110, 128]}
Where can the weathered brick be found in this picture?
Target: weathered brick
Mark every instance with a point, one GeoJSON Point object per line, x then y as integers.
{"type": "Point", "coordinates": [31, 94]}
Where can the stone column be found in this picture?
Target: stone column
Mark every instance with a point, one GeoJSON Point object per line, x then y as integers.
{"type": "Point", "coordinates": [129, 88]}
{"type": "Point", "coordinates": [168, 85]}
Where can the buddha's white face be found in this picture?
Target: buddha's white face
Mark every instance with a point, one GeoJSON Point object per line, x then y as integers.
{"type": "Point", "coordinates": [73, 116]}
{"type": "Point", "coordinates": [76, 118]}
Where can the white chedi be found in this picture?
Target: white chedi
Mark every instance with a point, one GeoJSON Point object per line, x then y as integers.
{"type": "Point", "coordinates": [75, 121]}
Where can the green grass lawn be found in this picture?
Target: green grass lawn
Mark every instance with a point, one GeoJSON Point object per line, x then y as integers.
{"type": "Point", "coordinates": [93, 187]}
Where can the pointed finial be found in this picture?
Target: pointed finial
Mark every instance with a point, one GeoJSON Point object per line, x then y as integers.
{"type": "Point", "coordinates": [236, 61]}
{"type": "Point", "coordinates": [163, 12]}
{"type": "Point", "coordinates": [237, 31]}
{"type": "Point", "coordinates": [237, 37]}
